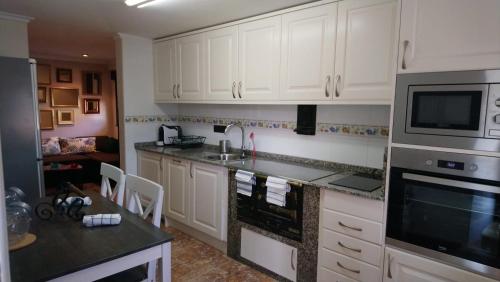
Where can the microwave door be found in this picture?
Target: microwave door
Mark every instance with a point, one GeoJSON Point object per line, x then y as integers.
{"type": "Point", "coordinates": [448, 110]}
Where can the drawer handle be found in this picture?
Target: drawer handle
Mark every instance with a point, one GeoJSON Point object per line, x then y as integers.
{"type": "Point", "coordinates": [389, 261]}
{"type": "Point", "coordinates": [350, 227]}
{"type": "Point", "coordinates": [349, 248]}
{"type": "Point", "coordinates": [232, 89]}
{"type": "Point", "coordinates": [291, 260]}
{"type": "Point", "coordinates": [405, 46]}
{"type": "Point", "coordinates": [348, 269]}
{"type": "Point", "coordinates": [176, 161]}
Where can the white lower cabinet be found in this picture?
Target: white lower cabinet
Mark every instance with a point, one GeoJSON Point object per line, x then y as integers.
{"type": "Point", "coordinates": [206, 199]}
{"type": "Point", "coordinates": [269, 253]}
{"type": "Point", "coordinates": [350, 238]}
{"type": "Point", "coordinates": [404, 267]}
{"type": "Point", "coordinates": [176, 187]}
{"type": "Point", "coordinates": [195, 193]}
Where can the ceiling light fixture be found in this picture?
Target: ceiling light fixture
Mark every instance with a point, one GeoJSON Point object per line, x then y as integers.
{"type": "Point", "coordinates": [85, 55]}
{"type": "Point", "coordinates": [138, 3]}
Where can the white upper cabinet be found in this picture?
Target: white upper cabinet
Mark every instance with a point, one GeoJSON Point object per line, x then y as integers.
{"type": "Point", "coordinates": [164, 63]}
{"type": "Point", "coordinates": [259, 59]}
{"type": "Point", "coordinates": [365, 60]}
{"type": "Point", "coordinates": [221, 47]}
{"type": "Point", "coordinates": [307, 53]}
{"type": "Point", "coordinates": [449, 35]}
{"type": "Point", "coordinates": [189, 69]}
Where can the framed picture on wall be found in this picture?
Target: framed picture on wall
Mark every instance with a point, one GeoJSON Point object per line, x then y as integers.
{"type": "Point", "coordinates": [65, 97]}
{"type": "Point", "coordinates": [91, 83]}
{"type": "Point", "coordinates": [43, 74]}
{"type": "Point", "coordinates": [46, 119]}
{"type": "Point", "coordinates": [65, 117]}
{"type": "Point", "coordinates": [91, 106]}
{"type": "Point", "coordinates": [42, 94]}
{"type": "Point", "coordinates": [64, 75]}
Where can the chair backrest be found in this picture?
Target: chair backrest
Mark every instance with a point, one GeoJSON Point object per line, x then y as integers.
{"type": "Point", "coordinates": [112, 172]}
{"type": "Point", "coordinates": [151, 193]}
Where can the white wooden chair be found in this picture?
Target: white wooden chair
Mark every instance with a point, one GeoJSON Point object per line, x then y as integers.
{"type": "Point", "coordinates": [112, 172]}
{"type": "Point", "coordinates": [141, 191]}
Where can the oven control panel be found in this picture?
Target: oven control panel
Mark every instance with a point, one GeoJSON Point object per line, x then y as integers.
{"type": "Point", "coordinates": [492, 128]}
{"type": "Point", "coordinates": [464, 165]}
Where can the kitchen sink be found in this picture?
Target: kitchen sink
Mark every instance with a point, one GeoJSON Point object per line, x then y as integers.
{"type": "Point", "coordinates": [223, 157]}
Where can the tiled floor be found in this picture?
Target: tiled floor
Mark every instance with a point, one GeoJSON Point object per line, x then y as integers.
{"type": "Point", "coordinates": [193, 260]}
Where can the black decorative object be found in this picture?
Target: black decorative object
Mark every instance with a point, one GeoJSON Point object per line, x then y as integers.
{"type": "Point", "coordinates": [306, 119]}
{"type": "Point", "coordinates": [46, 210]}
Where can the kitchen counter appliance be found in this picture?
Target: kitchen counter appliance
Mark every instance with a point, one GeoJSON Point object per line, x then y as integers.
{"type": "Point", "coordinates": [285, 221]}
{"type": "Point", "coordinates": [446, 206]}
{"type": "Point", "coordinates": [458, 109]}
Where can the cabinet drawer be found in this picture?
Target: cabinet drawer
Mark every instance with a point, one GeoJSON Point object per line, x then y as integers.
{"type": "Point", "coordinates": [357, 206]}
{"type": "Point", "coordinates": [352, 247]}
{"type": "Point", "coordinates": [353, 226]}
{"type": "Point", "coordinates": [350, 267]}
{"type": "Point", "coordinates": [326, 275]}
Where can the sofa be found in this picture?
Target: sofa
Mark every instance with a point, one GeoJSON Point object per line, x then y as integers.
{"type": "Point", "coordinates": [88, 152]}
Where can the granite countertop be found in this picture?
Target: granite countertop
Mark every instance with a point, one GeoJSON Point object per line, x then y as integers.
{"type": "Point", "coordinates": [308, 172]}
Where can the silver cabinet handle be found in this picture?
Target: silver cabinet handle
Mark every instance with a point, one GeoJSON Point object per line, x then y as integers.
{"type": "Point", "coordinates": [327, 94]}
{"type": "Point", "coordinates": [176, 161]}
{"type": "Point", "coordinates": [349, 248]}
{"type": "Point", "coordinates": [405, 46]}
{"type": "Point", "coordinates": [191, 169]}
{"type": "Point", "coordinates": [291, 259]}
{"type": "Point", "coordinates": [337, 81]}
{"type": "Point", "coordinates": [239, 88]}
{"type": "Point", "coordinates": [350, 227]}
{"type": "Point", "coordinates": [178, 87]}
{"type": "Point", "coordinates": [389, 261]}
{"type": "Point", "coordinates": [161, 164]}
{"type": "Point", "coordinates": [173, 90]}
{"type": "Point", "coordinates": [348, 269]}
{"type": "Point", "coordinates": [232, 89]}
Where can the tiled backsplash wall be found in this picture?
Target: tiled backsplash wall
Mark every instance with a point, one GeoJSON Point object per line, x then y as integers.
{"type": "Point", "coordinates": [348, 134]}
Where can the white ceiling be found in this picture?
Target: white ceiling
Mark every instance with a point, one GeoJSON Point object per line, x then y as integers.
{"type": "Point", "coordinates": [68, 28]}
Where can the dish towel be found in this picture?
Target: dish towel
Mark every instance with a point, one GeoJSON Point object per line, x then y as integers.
{"type": "Point", "coordinates": [87, 201]}
{"type": "Point", "coordinates": [244, 182]}
{"type": "Point", "coordinates": [276, 190]}
{"type": "Point", "coordinates": [102, 219]}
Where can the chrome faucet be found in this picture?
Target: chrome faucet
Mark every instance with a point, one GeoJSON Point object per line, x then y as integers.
{"type": "Point", "coordinates": [226, 131]}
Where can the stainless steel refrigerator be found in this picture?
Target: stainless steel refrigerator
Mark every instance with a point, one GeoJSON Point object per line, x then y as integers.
{"type": "Point", "coordinates": [19, 127]}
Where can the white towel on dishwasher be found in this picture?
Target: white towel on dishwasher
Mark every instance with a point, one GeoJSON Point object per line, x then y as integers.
{"type": "Point", "coordinates": [102, 219]}
{"type": "Point", "coordinates": [276, 190]}
{"type": "Point", "coordinates": [244, 182]}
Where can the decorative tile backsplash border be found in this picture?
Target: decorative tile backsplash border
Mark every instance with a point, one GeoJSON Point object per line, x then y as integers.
{"type": "Point", "coordinates": [321, 127]}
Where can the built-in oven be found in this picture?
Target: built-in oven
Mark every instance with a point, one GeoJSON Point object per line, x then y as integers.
{"type": "Point", "coordinates": [446, 206]}
{"type": "Point", "coordinates": [282, 220]}
{"type": "Point", "coordinates": [448, 109]}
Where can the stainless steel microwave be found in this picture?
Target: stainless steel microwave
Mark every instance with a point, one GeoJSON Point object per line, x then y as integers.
{"type": "Point", "coordinates": [448, 109]}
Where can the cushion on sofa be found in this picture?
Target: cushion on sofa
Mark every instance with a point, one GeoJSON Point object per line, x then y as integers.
{"type": "Point", "coordinates": [77, 145]}
{"type": "Point", "coordinates": [50, 146]}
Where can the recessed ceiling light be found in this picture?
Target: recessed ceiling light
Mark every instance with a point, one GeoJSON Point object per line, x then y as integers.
{"type": "Point", "coordinates": [136, 2]}
{"type": "Point", "coordinates": [85, 55]}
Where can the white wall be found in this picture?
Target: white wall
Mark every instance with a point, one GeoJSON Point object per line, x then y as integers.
{"type": "Point", "coordinates": [134, 62]}
{"type": "Point", "coordinates": [14, 35]}
{"type": "Point", "coordinates": [355, 150]}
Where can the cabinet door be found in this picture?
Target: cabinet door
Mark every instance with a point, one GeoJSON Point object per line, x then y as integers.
{"type": "Point", "coordinates": [149, 166]}
{"type": "Point", "coordinates": [273, 255]}
{"type": "Point", "coordinates": [448, 35]}
{"type": "Point", "coordinates": [405, 267]}
{"type": "Point", "coordinates": [189, 61]}
{"type": "Point", "coordinates": [221, 47]}
{"type": "Point", "coordinates": [176, 189]}
{"type": "Point", "coordinates": [365, 60]}
{"type": "Point", "coordinates": [307, 53]}
{"type": "Point", "coordinates": [259, 59]}
{"type": "Point", "coordinates": [206, 187]}
{"type": "Point", "coordinates": [164, 68]}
